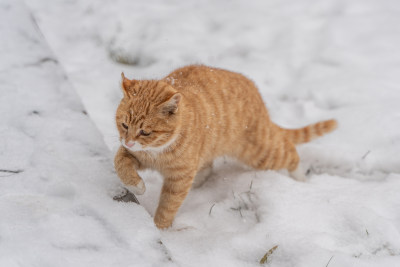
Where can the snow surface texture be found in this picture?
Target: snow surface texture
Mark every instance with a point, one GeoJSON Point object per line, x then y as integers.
{"type": "Point", "coordinates": [312, 60]}
{"type": "Point", "coordinates": [56, 178]}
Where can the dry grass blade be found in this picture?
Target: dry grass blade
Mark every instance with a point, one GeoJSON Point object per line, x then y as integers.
{"type": "Point", "coordinates": [269, 253]}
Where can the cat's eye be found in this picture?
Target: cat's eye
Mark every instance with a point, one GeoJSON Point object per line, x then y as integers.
{"type": "Point", "coordinates": [144, 133]}
{"type": "Point", "coordinates": [125, 126]}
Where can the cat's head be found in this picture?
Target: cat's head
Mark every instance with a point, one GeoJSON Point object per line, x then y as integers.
{"type": "Point", "coordinates": [148, 117]}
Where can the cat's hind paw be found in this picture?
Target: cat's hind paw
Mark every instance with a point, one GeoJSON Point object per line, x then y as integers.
{"type": "Point", "coordinates": [298, 174]}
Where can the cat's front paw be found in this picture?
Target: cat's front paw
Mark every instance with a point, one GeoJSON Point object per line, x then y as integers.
{"type": "Point", "coordinates": [163, 218]}
{"type": "Point", "coordinates": [162, 223]}
{"type": "Point", "coordinates": [138, 189]}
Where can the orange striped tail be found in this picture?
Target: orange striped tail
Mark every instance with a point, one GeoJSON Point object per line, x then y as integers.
{"type": "Point", "coordinates": [310, 132]}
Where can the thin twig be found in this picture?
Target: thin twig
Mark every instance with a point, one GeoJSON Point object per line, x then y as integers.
{"type": "Point", "coordinates": [244, 202]}
{"type": "Point", "coordinates": [366, 154]}
{"type": "Point", "coordinates": [329, 261]}
{"type": "Point", "coordinates": [209, 213]}
{"type": "Point", "coordinates": [11, 171]}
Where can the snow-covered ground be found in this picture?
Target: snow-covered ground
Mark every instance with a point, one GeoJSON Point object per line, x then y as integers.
{"type": "Point", "coordinates": [311, 59]}
{"type": "Point", "coordinates": [56, 178]}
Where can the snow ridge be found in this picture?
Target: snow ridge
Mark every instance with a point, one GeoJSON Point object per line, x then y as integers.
{"type": "Point", "coordinates": [56, 177]}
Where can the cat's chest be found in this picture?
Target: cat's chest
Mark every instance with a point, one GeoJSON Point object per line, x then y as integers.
{"type": "Point", "coordinates": [150, 160]}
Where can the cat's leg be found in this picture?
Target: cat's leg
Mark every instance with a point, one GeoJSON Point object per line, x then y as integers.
{"type": "Point", "coordinates": [173, 193]}
{"type": "Point", "coordinates": [202, 175]}
{"type": "Point", "coordinates": [275, 155]}
{"type": "Point", "coordinates": [126, 166]}
{"type": "Point", "coordinates": [285, 156]}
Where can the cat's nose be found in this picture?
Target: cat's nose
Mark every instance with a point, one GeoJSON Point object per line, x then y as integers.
{"type": "Point", "coordinates": [130, 144]}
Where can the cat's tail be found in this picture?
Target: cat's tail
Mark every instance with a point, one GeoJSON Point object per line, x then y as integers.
{"type": "Point", "coordinates": [310, 132]}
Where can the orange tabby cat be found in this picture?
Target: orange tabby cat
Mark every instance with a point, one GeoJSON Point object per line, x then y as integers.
{"type": "Point", "coordinates": [180, 124]}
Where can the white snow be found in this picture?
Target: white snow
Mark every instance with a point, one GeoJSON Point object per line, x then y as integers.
{"type": "Point", "coordinates": [311, 59]}
{"type": "Point", "coordinates": [57, 181]}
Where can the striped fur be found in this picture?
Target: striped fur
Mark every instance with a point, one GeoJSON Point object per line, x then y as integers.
{"type": "Point", "coordinates": [310, 132]}
{"type": "Point", "coordinates": [178, 125]}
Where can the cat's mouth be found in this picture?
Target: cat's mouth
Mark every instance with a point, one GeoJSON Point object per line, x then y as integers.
{"type": "Point", "coordinates": [136, 146]}
{"type": "Point", "coordinates": [131, 145]}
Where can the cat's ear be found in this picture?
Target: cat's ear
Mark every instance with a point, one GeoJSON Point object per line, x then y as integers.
{"type": "Point", "coordinates": [172, 104]}
{"type": "Point", "coordinates": [125, 84]}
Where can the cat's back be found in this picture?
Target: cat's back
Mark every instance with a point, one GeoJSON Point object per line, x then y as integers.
{"type": "Point", "coordinates": [227, 104]}
{"type": "Point", "coordinates": [216, 86]}
{"type": "Point", "coordinates": [197, 79]}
